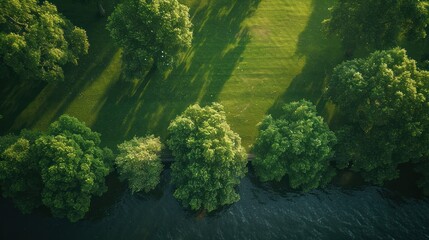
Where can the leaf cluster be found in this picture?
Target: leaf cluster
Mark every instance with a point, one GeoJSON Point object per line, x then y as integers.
{"type": "Point", "coordinates": [36, 40]}
{"type": "Point", "coordinates": [298, 144]}
{"type": "Point", "coordinates": [150, 32]}
{"type": "Point", "coordinates": [210, 160]}
{"type": "Point", "coordinates": [19, 170]}
{"type": "Point", "coordinates": [385, 101]}
{"type": "Point", "coordinates": [138, 163]}
{"type": "Point", "coordinates": [377, 23]}
{"type": "Point", "coordinates": [61, 169]}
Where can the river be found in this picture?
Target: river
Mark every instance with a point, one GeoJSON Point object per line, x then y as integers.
{"type": "Point", "coordinates": [265, 211]}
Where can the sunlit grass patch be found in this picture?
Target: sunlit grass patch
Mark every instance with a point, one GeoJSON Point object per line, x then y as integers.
{"type": "Point", "coordinates": [250, 55]}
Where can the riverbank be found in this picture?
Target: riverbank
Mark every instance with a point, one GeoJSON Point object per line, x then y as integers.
{"type": "Point", "coordinates": [265, 211]}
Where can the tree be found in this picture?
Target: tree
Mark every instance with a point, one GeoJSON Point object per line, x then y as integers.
{"type": "Point", "coordinates": [377, 23]}
{"type": "Point", "coordinates": [36, 40]}
{"type": "Point", "coordinates": [384, 99]}
{"type": "Point", "coordinates": [298, 144]}
{"type": "Point", "coordinates": [73, 167]}
{"type": "Point", "coordinates": [210, 160]}
{"type": "Point", "coordinates": [150, 32]}
{"type": "Point", "coordinates": [19, 170]}
{"type": "Point", "coordinates": [138, 162]}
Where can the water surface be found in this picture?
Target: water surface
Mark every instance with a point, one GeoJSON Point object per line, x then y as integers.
{"type": "Point", "coordinates": [264, 212]}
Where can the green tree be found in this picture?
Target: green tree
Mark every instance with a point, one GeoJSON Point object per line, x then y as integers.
{"type": "Point", "coordinates": [19, 171]}
{"type": "Point", "coordinates": [150, 32]}
{"type": "Point", "coordinates": [210, 160]}
{"type": "Point", "coordinates": [73, 167]}
{"type": "Point", "coordinates": [384, 99]}
{"type": "Point", "coordinates": [138, 162]}
{"type": "Point", "coordinates": [377, 23]}
{"type": "Point", "coordinates": [298, 144]}
{"type": "Point", "coordinates": [36, 40]}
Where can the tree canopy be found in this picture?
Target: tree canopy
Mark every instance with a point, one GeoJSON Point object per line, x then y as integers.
{"type": "Point", "coordinates": [73, 167]}
{"type": "Point", "coordinates": [61, 169]}
{"type": "Point", "coordinates": [19, 170]}
{"type": "Point", "coordinates": [377, 23]}
{"type": "Point", "coordinates": [210, 160]}
{"type": "Point", "coordinates": [298, 144]}
{"type": "Point", "coordinates": [385, 102]}
{"type": "Point", "coordinates": [138, 162]}
{"type": "Point", "coordinates": [150, 32]}
{"type": "Point", "coordinates": [36, 40]}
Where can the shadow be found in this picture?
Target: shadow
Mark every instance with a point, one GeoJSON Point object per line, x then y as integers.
{"type": "Point", "coordinates": [145, 106]}
{"type": "Point", "coordinates": [321, 55]}
{"type": "Point", "coordinates": [102, 205]}
{"type": "Point", "coordinates": [15, 94]}
{"type": "Point", "coordinates": [27, 104]}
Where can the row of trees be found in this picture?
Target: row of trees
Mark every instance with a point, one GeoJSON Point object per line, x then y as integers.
{"type": "Point", "coordinates": [36, 41]}
{"type": "Point", "coordinates": [384, 101]}
{"type": "Point", "coordinates": [65, 166]}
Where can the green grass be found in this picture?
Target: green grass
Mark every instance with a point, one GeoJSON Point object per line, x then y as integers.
{"type": "Point", "coordinates": [250, 55]}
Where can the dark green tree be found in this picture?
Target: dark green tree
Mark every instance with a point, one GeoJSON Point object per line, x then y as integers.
{"type": "Point", "coordinates": [73, 167]}
{"type": "Point", "coordinates": [210, 160]}
{"type": "Point", "coordinates": [36, 40]}
{"type": "Point", "coordinates": [138, 163]}
{"type": "Point", "coordinates": [377, 23]}
{"type": "Point", "coordinates": [298, 145]}
{"type": "Point", "coordinates": [385, 102]}
{"type": "Point", "coordinates": [150, 32]}
{"type": "Point", "coordinates": [19, 170]}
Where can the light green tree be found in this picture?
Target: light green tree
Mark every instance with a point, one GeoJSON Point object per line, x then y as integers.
{"type": "Point", "coordinates": [151, 33]}
{"type": "Point", "coordinates": [384, 99]}
{"type": "Point", "coordinates": [298, 144]}
{"type": "Point", "coordinates": [36, 40]}
{"type": "Point", "coordinates": [139, 164]}
{"type": "Point", "coordinates": [210, 160]}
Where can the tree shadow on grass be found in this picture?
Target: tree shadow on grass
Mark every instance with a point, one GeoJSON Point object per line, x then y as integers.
{"type": "Point", "coordinates": [27, 104]}
{"type": "Point", "coordinates": [144, 106]}
{"type": "Point", "coordinates": [321, 55]}
{"type": "Point", "coordinates": [15, 94]}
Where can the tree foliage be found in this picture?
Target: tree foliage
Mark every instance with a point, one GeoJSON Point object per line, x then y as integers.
{"type": "Point", "coordinates": [19, 171]}
{"type": "Point", "coordinates": [210, 160]}
{"type": "Point", "coordinates": [377, 23]}
{"type": "Point", "coordinates": [36, 40]}
{"type": "Point", "coordinates": [61, 169]}
{"type": "Point", "coordinates": [385, 101]}
{"type": "Point", "coordinates": [298, 144]}
{"type": "Point", "coordinates": [150, 32]}
{"type": "Point", "coordinates": [138, 162]}
{"type": "Point", "coordinates": [73, 167]}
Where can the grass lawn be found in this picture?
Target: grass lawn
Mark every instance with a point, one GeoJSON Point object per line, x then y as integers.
{"type": "Point", "coordinates": [250, 55]}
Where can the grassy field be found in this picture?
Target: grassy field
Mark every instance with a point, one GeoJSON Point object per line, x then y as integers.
{"type": "Point", "coordinates": [250, 55]}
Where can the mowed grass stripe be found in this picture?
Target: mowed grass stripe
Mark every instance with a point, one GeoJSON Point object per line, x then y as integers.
{"type": "Point", "coordinates": [268, 64]}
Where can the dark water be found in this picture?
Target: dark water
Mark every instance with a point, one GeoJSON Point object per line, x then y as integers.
{"type": "Point", "coordinates": [264, 212]}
